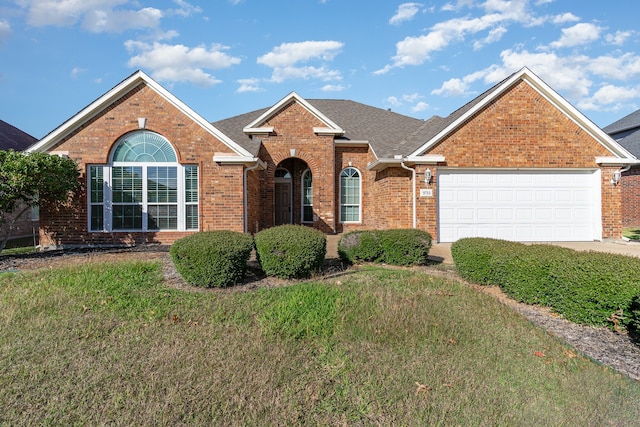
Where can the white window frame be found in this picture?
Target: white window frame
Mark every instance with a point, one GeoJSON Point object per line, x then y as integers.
{"type": "Point", "coordinates": [107, 202]}
{"type": "Point", "coordinates": [302, 196]}
{"type": "Point", "coordinates": [359, 204]}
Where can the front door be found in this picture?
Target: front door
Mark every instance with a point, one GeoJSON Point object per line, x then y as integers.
{"type": "Point", "coordinates": [283, 203]}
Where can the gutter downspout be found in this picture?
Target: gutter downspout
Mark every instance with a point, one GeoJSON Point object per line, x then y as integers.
{"type": "Point", "coordinates": [244, 189]}
{"type": "Point", "coordinates": [413, 179]}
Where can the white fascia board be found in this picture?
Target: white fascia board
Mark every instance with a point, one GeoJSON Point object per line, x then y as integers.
{"type": "Point", "coordinates": [616, 161]}
{"type": "Point", "coordinates": [97, 106]}
{"type": "Point", "coordinates": [287, 99]}
{"type": "Point", "coordinates": [266, 130]}
{"type": "Point", "coordinates": [230, 159]}
{"type": "Point", "coordinates": [428, 159]}
{"type": "Point", "coordinates": [327, 131]}
{"type": "Point", "coordinates": [351, 143]}
{"type": "Point", "coordinates": [381, 164]}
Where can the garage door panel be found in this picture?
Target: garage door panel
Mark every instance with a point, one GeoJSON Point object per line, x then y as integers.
{"type": "Point", "coordinates": [519, 205]}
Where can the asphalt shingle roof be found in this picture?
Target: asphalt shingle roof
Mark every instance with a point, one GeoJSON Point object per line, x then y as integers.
{"type": "Point", "coordinates": [387, 132]}
{"type": "Point", "coordinates": [626, 132]}
{"type": "Point", "coordinates": [12, 138]}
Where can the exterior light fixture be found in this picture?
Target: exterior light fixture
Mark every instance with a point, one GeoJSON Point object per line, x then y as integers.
{"type": "Point", "coordinates": [427, 176]}
{"type": "Point", "coordinates": [615, 178]}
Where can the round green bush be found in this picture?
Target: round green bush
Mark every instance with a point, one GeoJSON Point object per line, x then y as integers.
{"type": "Point", "coordinates": [359, 246]}
{"type": "Point", "coordinates": [290, 251]}
{"type": "Point", "coordinates": [212, 258]}
{"type": "Point", "coordinates": [404, 246]}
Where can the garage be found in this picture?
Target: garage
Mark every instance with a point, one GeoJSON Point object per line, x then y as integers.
{"type": "Point", "coordinates": [520, 205]}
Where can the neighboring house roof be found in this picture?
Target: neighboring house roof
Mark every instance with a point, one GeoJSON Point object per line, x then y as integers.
{"type": "Point", "coordinates": [626, 132]}
{"type": "Point", "coordinates": [120, 90]}
{"type": "Point", "coordinates": [12, 138]}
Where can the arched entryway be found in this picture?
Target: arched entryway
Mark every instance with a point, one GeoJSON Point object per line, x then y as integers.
{"type": "Point", "coordinates": [293, 192]}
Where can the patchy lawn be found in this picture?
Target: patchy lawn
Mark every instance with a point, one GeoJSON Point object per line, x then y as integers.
{"type": "Point", "coordinates": [111, 343]}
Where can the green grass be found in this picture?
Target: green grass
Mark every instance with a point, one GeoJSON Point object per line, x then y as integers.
{"type": "Point", "coordinates": [632, 233]}
{"type": "Point", "coordinates": [110, 344]}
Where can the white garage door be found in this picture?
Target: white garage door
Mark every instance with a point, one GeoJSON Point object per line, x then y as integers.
{"type": "Point", "coordinates": [525, 206]}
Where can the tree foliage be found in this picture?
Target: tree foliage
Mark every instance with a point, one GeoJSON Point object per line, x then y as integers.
{"type": "Point", "coordinates": [28, 178]}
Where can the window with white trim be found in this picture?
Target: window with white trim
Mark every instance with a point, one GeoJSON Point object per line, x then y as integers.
{"type": "Point", "coordinates": [350, 195]}
{"type": "Point", "coordinates": [144, 188]}
{"type": "Point", "coordinates": [307, 196]}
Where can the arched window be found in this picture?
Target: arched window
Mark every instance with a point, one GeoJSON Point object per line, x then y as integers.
{"type": "Point", "coordinates": [144, 188]}
{"type": "Point", "coordinates": [350, 195]}
{"type": "Point", "coordinates": [307, 196]}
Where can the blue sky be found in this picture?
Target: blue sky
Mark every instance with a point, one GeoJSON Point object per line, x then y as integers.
{"type": "Point", "coordinates": [227, 57]}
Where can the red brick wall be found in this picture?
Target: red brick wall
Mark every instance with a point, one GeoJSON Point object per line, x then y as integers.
{"type": "Point", "coordinates": [221, 187]}
{"type": "Point", "coordinates": [293, 130]}
{"type": "Point", "coordinates": [521, 129]}
{"type": "Point", "coordinates": [630, 187]}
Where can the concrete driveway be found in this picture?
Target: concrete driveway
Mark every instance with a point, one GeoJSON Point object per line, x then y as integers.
{"type": "Point", "coordinates": [442, 251]}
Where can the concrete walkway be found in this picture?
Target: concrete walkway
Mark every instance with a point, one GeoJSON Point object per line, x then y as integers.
{"type": "Point", "coordinates": [441, 252]}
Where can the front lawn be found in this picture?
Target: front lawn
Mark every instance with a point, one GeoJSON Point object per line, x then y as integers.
{"type": "Point", "coordinates": [110, 344]}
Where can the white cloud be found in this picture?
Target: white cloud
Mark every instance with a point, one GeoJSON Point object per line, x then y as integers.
{"type": "Point", "coordinates": [564, 18]}
{"type": "Point", "coordinates": [580, 34]}
{"type": "Point", "coordinates": [76, 71]}
{"type": "Point", "coordinates": [185, 9]}
{"type": "Point", "coordinates": [420, 106]}
{"type": "Point", "coordinates": [393, 101]}
{"type": "Point", "coordinates": [452, 87]}
{"type": "Point", "coordinates": [610, 94]}
{"type": "Point", "coordinates": [619, 37]}
{"type": "Point", "coordinates": [405, 12]}
{"type": "Point", "coordinates": [179, 63]}
{"type": "Point", "coordinates": [417, 50]}
{"type": "Point", "coordinates": [332, 88]}
{"type": "Point", "coordinates": [5, 31]}
{"type": "Point", "coordinates": [493, 36]}
{"type": "Point", "coordinates": [286, 59]}
{"type": "Point", "coordinates": [248, 85]}
{"type": "Point", "coordinates": [111, 21]}
{"type": "Point", "coordinates": [112, 16]}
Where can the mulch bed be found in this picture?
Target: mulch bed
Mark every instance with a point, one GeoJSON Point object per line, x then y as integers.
{"type": "Point", "coordinates": [615, 350]}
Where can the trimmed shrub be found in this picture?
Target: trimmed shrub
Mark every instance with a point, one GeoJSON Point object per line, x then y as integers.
{"type": "Point", "coordinates": [212, 258]}
{"type": "Point", "coordinates": [523, 270]}
{"type": "Point", "coordinates": [290, 251]}
{"type": "Point", "coordinates": [404, 246]}
{"type": "Point", "coordinates": [359, 246]}
{"type": "Point", "coordinates": [592, 286]}
{"type": "Point", "coordinates": [473, 257]}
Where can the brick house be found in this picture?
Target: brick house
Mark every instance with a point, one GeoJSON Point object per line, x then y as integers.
{"type": "Point", "coordinates": [518, 162]}
{"type": "Point", "coordinates": [12, 138]}
{"type": "Point", "coordinates": [626, 132]}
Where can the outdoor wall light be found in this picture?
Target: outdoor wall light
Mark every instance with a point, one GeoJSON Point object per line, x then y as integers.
{"type": "Point", "coordinates": [427, 176]}
{"type": "Point", "coordinates": [615, 178]}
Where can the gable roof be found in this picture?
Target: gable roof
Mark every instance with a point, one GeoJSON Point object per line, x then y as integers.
{"type": "Point", "coordinates": [392, 135]}
{"type": "Point", "coordinates": [445, 127]}
{"type": "Point", "coordinates": [117, 92]}
{"type": "Point", "coordinates": [351, 121]}
{"type": "Point", "coordinates": [12, 138]}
